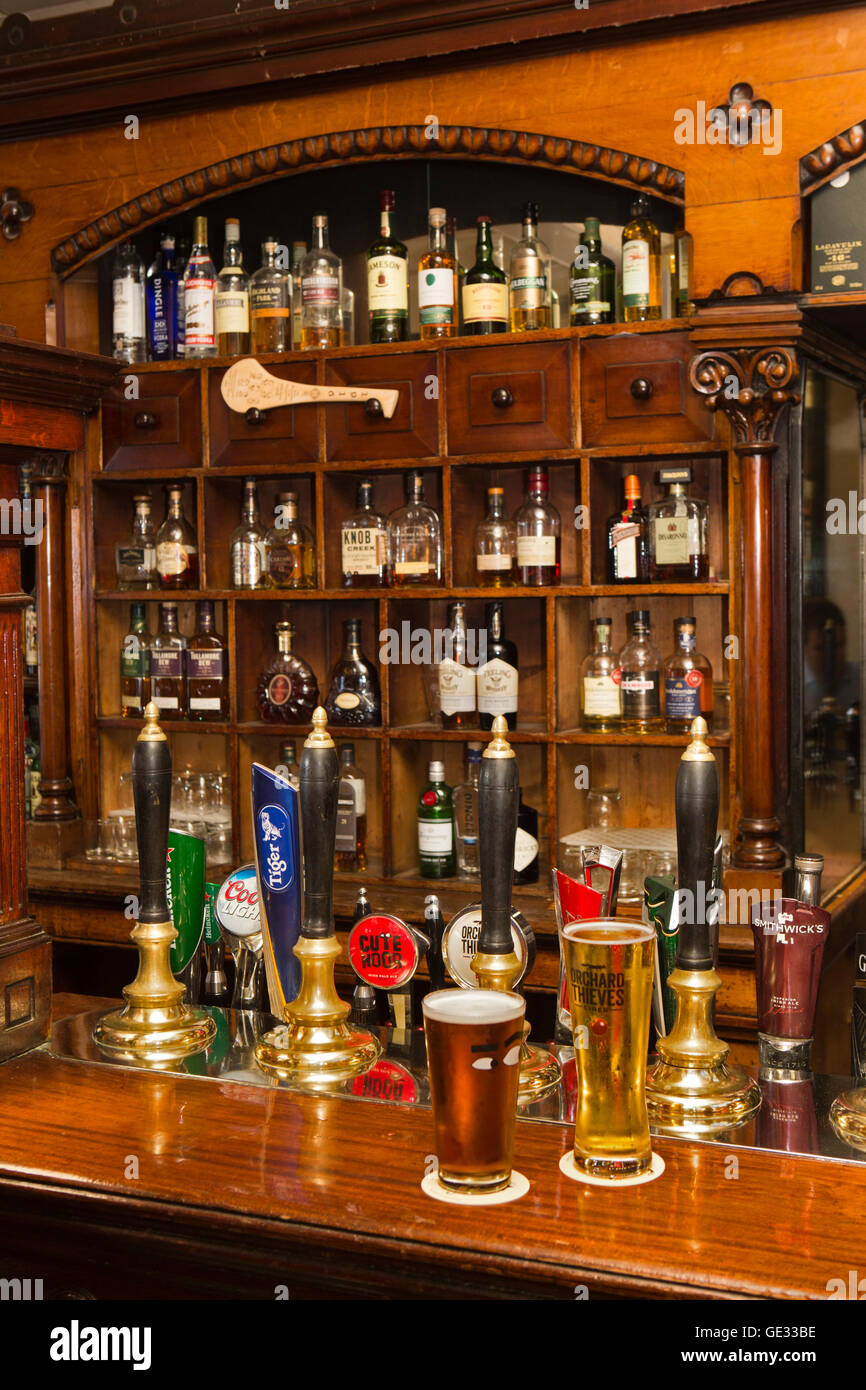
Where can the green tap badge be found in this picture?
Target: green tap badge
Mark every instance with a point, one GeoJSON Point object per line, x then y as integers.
{"type": "Point", "coordinates": [184, 883]}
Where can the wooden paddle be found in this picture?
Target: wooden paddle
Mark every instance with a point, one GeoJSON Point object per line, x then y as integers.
{"type": "Point", "coordinates": [248, 385]}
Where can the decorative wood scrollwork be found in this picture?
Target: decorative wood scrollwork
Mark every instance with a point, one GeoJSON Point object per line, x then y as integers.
{"type": "Point", "coordinates": [742, 115]}
{"type": "Point", "coordinates": [750, 386]}
{"type": "Point", "coordinates": [832, 157]}
{"type": "Point", "coordinates": [14, 212]}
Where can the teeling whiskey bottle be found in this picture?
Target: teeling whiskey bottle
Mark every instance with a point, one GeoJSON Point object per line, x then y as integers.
{"type": "Point", "coordinates": [206, 668]}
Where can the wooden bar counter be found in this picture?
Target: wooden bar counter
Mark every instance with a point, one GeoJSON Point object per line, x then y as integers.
{"type": "Point", "coordinates": [121, 1185]}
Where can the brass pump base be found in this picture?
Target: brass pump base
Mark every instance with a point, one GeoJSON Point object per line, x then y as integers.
{"type": "Point", "coordinates": [540, 1072]}
{"type": "Point", "coordinates": [692, 1088]}
{"type": "Point", "coordinates": [848, 1118]}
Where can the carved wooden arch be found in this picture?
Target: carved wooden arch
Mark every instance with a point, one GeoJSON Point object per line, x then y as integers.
{"type": "Point", "coordinates": [350, 146]}
{"type": "Point", "coordinates": [831, 159]}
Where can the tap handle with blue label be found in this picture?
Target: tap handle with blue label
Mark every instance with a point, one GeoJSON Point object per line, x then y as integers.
{"type": "Point", "coordinates": [151, 794]}
{"type": "Point", "coordinates": [319, 787]}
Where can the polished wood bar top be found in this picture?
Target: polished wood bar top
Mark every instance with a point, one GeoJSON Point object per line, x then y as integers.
{"type": "Point", "coordinates": [124, 1184]}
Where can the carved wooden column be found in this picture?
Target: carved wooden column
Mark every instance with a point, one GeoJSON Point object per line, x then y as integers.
{"type": "Point", "coordinates": [752, 386]}
{"type": "Point", "coordinates": [48, 483]}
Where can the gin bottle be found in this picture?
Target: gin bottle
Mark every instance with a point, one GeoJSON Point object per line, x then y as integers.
{"type": "Point", "coordinates": [466, 815]}
{"type": "Point", "coordinates": [162, 302]}
{"type": "Point", "coordinates": [436, 848]}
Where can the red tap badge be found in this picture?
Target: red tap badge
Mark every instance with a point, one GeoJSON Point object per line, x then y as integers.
{"type": "Point", "coordinates": [574, 902]}
{"type": "Point", "coordinates": [387, 1080]}
{"type": "Point", "coordinates": [383, 951]}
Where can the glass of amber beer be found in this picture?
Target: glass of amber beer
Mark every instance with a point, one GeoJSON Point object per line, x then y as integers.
{"type": "Point", "coordinates": [609, 965]}
{"type": "Point", "coordinates": [473, 1059]}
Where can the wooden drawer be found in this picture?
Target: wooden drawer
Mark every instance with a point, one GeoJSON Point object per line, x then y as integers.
{"type": "Point", "coordinates": [628, 381]}
{"type": "Point", "coordinates": [161, 429]}
{"type": "Point", "coordinates": [289, 434]}
{"type": "Point", "coordinates": [354, 432]}
{"type": "Point", "coordinates": [508, 399]}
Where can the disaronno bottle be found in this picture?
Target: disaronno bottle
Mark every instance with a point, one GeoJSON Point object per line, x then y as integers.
{"type": "Point", "coordinates": [529, 294]}
{"type": "Point", "coordinates": [678, 549]}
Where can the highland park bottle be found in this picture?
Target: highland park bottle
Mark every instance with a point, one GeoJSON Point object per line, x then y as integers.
{"type": "Point", "coordinates": [232, 297]}
{"type": "Point", "coordinates": [600, 698]}
{"type": "Point", "coordinates": [485, 289]}
{"type": "Point", "coordinates": [271, 302]}
{"type": "Point", "coordinates": [529, 291]}
{"type": "Point", "coordinates": [199, 290]}
{"type": "Point", "coordinates": [176, 546]}
{"type": "Point", "coordinates": [168, 665]}
{"type": "Point", "coordinates": [135, 665]}
{"type": "Point", "coordinates": [287, 691]}
{"type": "Point", "coordinates": [353, 697]}
{"type": "Point", "coordinates": [135, 557]}
{"type": "Point", "coordinates": [436, 851]}
{"type": "Point", "coordinates": [364, 543]}
{"type": "Point", "coordinates": [437, 283]}
{"type": "Point", "coordinates": [538, 534]}
{"type": "Point", "coordinates": [321, 291]}
{"type": "Point", "coordinates": [387, 281]}
{"type": "Point", "coordinates": [592, 280]}
{"type": "Point", "coordinates": [687, 688]}
{"type": "Point", "coordinates": [495, 543]}
{"type": "Point", "coordinates": [207, 694]}
{"type": "Point", "coordinates": [641, 265]}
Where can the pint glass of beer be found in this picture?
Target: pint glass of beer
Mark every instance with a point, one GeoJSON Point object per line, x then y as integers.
{"type": "Point", "coordinates": [473, 1058]}
{"type": "Point", "coordinates": [609, 966]}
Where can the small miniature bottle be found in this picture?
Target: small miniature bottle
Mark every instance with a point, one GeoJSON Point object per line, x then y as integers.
{"type": "Point", "coordinates": [176, 546]}
{"type": "Point", "coordinates": [415, 538]}
{"type": "Point", "coordinates": [627, 546]}
{"type": "Point", "coordinates": [437, 283]}
{"type": "Point", "coordinates": [290, 550]}
{"type": "Point", "coordinates": [538, 534]}
{"type": "Point", "coordinates": [135, 557]}
{"type": "Point", "coordinates": [364, 543]}
{"type": "Point", "coordinates": [168, 665]}
{"type": "Point", "coordinates": [600, 695]}
{"type": "Point", "coordinates": [640, 678]}
{"type": "Point", "coordinates": [207, 677]}
{"type": "Point", "coordinates": [436, 848]}
{"type": "Point", "coordinates": [199, 290]}
{"type": "Point", "coordinates": [687, 681]}
{"type": "Point", "coordinates": [641, 265]}
{"type": "Point", "coordinates": [321, 291]}
{"type": "Point", "coordinates": [128, 314]}
{"type": "Point", "coordinates": [271, 302]}
{"type": "Point", "coordinates": [287, 691]}
{"type": "Point", "coordinates": [135, 665]}
{"type": "Point", "coordinates": [232, 297]}
{"type": "Point", "coordinates": [592, 280]}
{"type": "Point", "coordinates": [247, 544]}
{"type": "Point", "coordinates": [677, 526]}
{"type": "Point", "coordinates": [456, 676]}
{"type": "Point", "coordinates": [350, 849]}
{"type": "Point", "coordinates": [495, 543]}
{"type": "Point", "coordinates": [466, 815]}
{"type": "Point", "coordinates": [353, 696]}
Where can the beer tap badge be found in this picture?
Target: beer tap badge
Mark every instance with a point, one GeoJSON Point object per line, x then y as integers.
{"type": "Point", "coordinates": [278, 865]}
{"type": "Point", "coordinates": [383, 951]}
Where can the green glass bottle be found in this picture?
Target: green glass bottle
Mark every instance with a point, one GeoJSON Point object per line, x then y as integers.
{"type": "Point", "coordinates": [387, 281]}
{"type": "Point", "coordinates": [135, 665]}
{"type": "Point", "coordinates": [437, 856]}
{"type": "Point", "coordinates": [485, 289]}
{"type": "Point", "coordinates": [593, 280]}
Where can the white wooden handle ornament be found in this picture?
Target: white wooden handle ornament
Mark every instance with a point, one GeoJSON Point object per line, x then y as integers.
{"type": "Point", "coordinates": [247, 385]}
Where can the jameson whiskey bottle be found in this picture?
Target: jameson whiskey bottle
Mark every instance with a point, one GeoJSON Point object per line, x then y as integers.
{"type": "Point", "coordinates": [485, 289]}
{"type": "Point", "coordinates": [436, 849]}
{"type": "Point", "coordinates": [387, 280]}
{"type": "Point", "coordinates": [199, 290]}
{"type": "Point", "coordinates": [168, 665]}
{"type": "Point", "coordinates": [530, 277]}
{"type": "Point", "coordinates": [641, 265]}
{"type": "Point", "coordinates": [287, 691]}
{"type": "Point", "coordinates": [176, 546]}
{"type": "Point", "coordinates": [600, 700]}
{"type": "Point", "coordinates": [232, 298]}
{"type": "Point", "coordinates": [640, 678]}
{"type": "Point", "coordinates": [456, 676]}
{"type": "Point", "coordinates": [207, 696]}
{"type": "Point", "coordinates": [437, 283]}
{"type": "Point", "coordinates": [592, 280]}
{"type": "Point", "coordinates": [135, 665]}
{"type": "Point", "coordinates": [364, 543]}
{"type": "Point", "coordinates": [687, 689]}
{"type": "Point", "coordinates": [497, 676]}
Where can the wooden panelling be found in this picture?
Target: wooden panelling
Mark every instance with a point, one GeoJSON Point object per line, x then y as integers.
{"type": "Point", "coordinates": [628, 384]}
{"type": "Point", "coordinates": [158, 428]}
{"type": "Point", "coordinates": [353, 431]}
{"type": "Point", "coordinates": [288, 435]}
{"type": "Point", "coordinates": [501, 405]}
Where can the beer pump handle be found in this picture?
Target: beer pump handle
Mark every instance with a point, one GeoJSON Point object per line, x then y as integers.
{"type": "Point", "coordinates": [697, 817]}
{"type": "Point", "coordinates": [318, 789]}
{"type": "Point", "coordinates": [498, 804]}
{"type": "Point", "coordinates": [151, 795]}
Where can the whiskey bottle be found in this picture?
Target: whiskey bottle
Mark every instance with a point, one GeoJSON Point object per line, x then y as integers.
{"type": "Point", "coordinates": [415, 538]}
{"type": "Point", "coordinates": [456, 677]}
{"type": "Point", "coordinates": [128, 293]}
{"type": "Point", "coordinates": [538, 534]}
{"type": "Point", "coordinates": [290, 550]}
{"type": "Point", "coordinates": [684, 248]}
{"type": "Point", "coordinates": [497, 676]}
{"type": "Point", "coordinates": [199, 289]}
{"type": "Point", "coordinates": [677, 526]}
{"type": "Point", "coordinates": [350, 849]}
{"type": "Point", "coordinates": [168, 665]}
{"type": "Point", "coordinates": [299, 251]}
{"type": "Point", "coordinates": [592, 280]}
{"type": "Point", "coordinates": [495, 543]}
{"type": "Point", "coordinates": [287, 691]}
{"type": "Point", "coordinates": [271, 302]}
{"type": "Point", "coordinates": [207, 693]}
{"type": "Point", "coordinates": [353, 696]}
{"type": "Point", "coordinates": [436, 850]}
{"type": "Point", "coordinates": [289, 768]}
{"type": "Point", "coordinates": [176, 545]}
{"type": "Point", "coordinates": [641, 265]}
{"type": "Point", "coordinates": [321, 291]}
{"type": "Point", "coordinates": [135, 557]}
{"type": "Point", "coordinates": [687, 689]}
{"type": "Point", "coordinates": [247, 544]}
{"type": "Point", "coordinates": [466, 815]}
{"type": "Point", "coordinates": [485, 289]}
{"type": "Point", "coordinates": [135, 665]}
{"type": "Point", "coordinates": [640, 678]}
{"type": "Point", "coordinates": [161, 294]}
{"type": "Point", "coordinates": [529, 291]}
{"type": "Point", "coordinates": [387, 280]}
{"type": "Point", "coordinates": [600, 698]}
{"type": "Point", "coordinates": [364, 543]}
{"type": "Point", "coordinates": [437, 283]}
{"type": "Point", "coordinates": [627, 547]}
{"type": "Point", "coordinates": [526, 845]}
{"type": "Point", "coordinates": [232, 297]}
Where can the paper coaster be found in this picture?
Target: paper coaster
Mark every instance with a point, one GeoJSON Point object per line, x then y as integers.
{"type": "Point", "coordinates": [518, 1187]}
{"type": "Point", "coordinates": [568, 1166]}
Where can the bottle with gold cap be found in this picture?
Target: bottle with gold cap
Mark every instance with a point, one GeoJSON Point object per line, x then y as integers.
{"type": "Point", "coordinates": [627, 552]}
{"type": "Point", "coordinates": [495, 543]}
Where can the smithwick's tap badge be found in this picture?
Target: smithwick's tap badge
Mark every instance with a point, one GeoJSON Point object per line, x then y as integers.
{"type": "Point", "coordinates": [460, 945]}
{"type": "Point", "coordinates": [276, 839]}
{"type": "Point", "coordinates": [383, 951]}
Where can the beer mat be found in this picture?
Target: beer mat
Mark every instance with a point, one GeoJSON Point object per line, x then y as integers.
{"type": "Point", "coordinates": [568, 1166]}
{"type": "Point", "coordinates": [518, 1187]}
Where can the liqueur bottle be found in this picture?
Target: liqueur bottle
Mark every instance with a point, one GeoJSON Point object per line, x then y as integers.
{"type": "Point", "coordinates": [127, 324]}
{"type": "Point", "coordinates": [538, 534]}
{"type": "Point", "coordinates": [415, 538]}
{"type": "Point", "coordinates": [176, 546]}
{"type": "Point", "coordinates": [485, 289]}
{"type": "Point", "coordinates": [353, 697]}
{"type": "Point", "coordinates": [495, 543]}
{"type": "Point", "coordinates": [364, 543]}
{"type": "Point", "coordinates": [684, 249]}
{"type": "Point", "coordinates": [627, 539]}
{"type": "Point", "coordinates": [135, 665]}
{"type": "Point", "coordinates": [207, 682]}
{"type": "Point", "coordinates": [232, 297]}
{"type": "Point", "coordinates": [135, 557]}
{"type": "Point", "coordinates": [436, 848]}
{"type": "Point", "coordinates": [466, 815]}
{"type": "Point", "coordinates": [271, 302]}
{"type": "Point", "coordinates": [247, 544]}
{"type": "Point", "coordinates": [687, 676]}
{"type": "Point", "coordinates": [321, 291]}
{"type": "Point", "coordinates": [387, 280]}
{"type": "Point", "coordinates": [180, 323]}
{"type": "Point", "coordinates": [456, 677]}
{"type": "Point", "coordinates": [168, 665]}
{"type": "Point", "coordinates": [640, 678]}
{"type": "Point", "coordinates": [641, 265]}
{"type": "Point", "coordinates": [497, 675]}
{"type": "Point", "coordinates": [526, 845]}
{"type": "Point", "coordinates": [437, 283]}
{"type": "Point", "coordinates": [592, 280]}
{"type": "Point", "coordinates": [287, 691]}
{"type": "Point", "coordinates": [678, 551]}
{"type": "Point", "coordinates": [600, 696]}
{"type": "Point", "coordinates": [529, 289]}
{"type": "Point", "coordinates": [350, 850]}
{"type": "Point", "coordinates": [199, 289]}
{"type": "Point", "coordinates": [299, 251]}
{"type": "Point", "coordinates": [161, 292]}
{"type": "Point", "coordinates": [290, 550]}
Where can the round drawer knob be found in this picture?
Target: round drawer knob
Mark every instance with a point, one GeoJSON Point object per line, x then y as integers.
{"type": "Point", "coordinates": [145, 421]}
{"type": "Point", "coordinates": [373, 409]}
{"type": "Point", "coordinates": [641, 388]}
{"type": "Point", "coordinates": [254, 416]}
{"type": "Point", "coordinates": [502, 398]}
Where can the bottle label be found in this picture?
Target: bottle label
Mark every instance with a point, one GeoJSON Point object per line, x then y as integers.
{"type": "Point", "coordinates": [320, 290]}
{"type": "Point", "coordinates": [435, 837]}
{"type": "Point", "coordinates": [207, 665]}
{"type": "Point", "coordinates": [497, 687]}
{"type": "Point", "coordinates": [359, 787]}
{"type": "Point", "coordinates": [347, 699]}
{"type": "Point", "coordinates": [584, 296]}
{"type": "Point", "coordinates": [636, 274]}
{"type": "Point", "coordinates": [173, 557]}
{"type": "Point", "coordinates": [414, 567]}
{"type": "Point", "coordinates": [364, 549]}
{"type": "Point", "coordinates": [269, 301]}
{"type": "Point", "coordinates": [436, 296]}
{"type": "Point", "coordinates": [525, 850]}
{"type": "Point", "coordinates": [279, 689]}
{"type": "Point", "coordinates": [166, 702]}
{"type": "Point", "coordinates": [601, 697]}
{"type": "Point", "coordinates": [623, 540]}
{"type": "Point", "coordinates": [536, 550]}
{"type": "Point", "coordinates": [528, 287]}
{"type": "Point", "coordinates": [248, 563]}
{"type": "Point", "coordinates": [132, 702]}
{"type": "Point", "coordinates": [31, 648]}
{"type": "Point", "coordinates": [494, 562]}
{"type": "Point", "coordinates": [205, 702]}
{"type": "Point", "coordinates": [137, 557]}
{"type": "Point", "coordinates": [133, 658]}
{"type": "Point", "coordinates": [232, 311]}
{"type": "Point", "coordinates": [683, 696]}
{"type": "Point", "coordinates": [485, 302]}
{"type": "Point", "coordinates": [456, 687]}
{"type": "Point", "coordinates": [347, 820]}
{"type": "Point", "coordinates": [640, 695]}
{"type": "Point", "coordinates": [128, 320]}
{"type": "Point", "coordinates": [166, 662]}
{"type": "Point", "coordinates": [673, 540]}
{"type": "Point", "coordinates": [387, 287]}
{"type": "Point", "coordinates": [198, 312]}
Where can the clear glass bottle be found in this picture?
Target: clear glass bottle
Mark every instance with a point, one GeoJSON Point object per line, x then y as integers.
{"type": "Point", "coordinates": [484, 295]}
{"type": "Point", "coordinates": [600, 698]}
{"type": "Point", "coordinates": [299, 251]}
{"type": "Point", "coordinates": [353, 696]}
{"type": "Point", "coordinates": [437, 283]}
{"type": "Point", "coordinates": [538, 529]}
{"type": "Point", "coordinates": [128, 314]}
{"type": "Point", "coordinates": [271, 302]}
{"type": "Point", "coordinates": [199, 290]}
{"type": "Point", "coordinates": [176, 545]}
{"type": "Point", "coordinates": [180, 266]}
{"type": "Point", "coordinates": [627, 539]}
{"type": "Point", "coordinates": [498, 674]}
{"type": "Point", "coordinates": [387, 280]}
{"type": "Point", "coordinates": [687, 681]}
{"type": "Point", "coordinates": [684, 255]}
{"type": "Point", "coordinates": [436, 848]}
{"type": "Point", "coordinates": [247, 544]}
{"type": "Point", "coordinates": [135, 557]}
{"type": "Point", "coordinates": [206, 669]}
{"type": "Point", "coordinates": [287, 690]}
{"type": "Point", "coordinates": [592, 280]}
{"type": "Point", "coordinates": [161, 292]}
{"type": "Point", "coordinates": [641, 265]}
{"type": "Point", "coordinates": [640, 678]}
{"type": "Point", "coordinates": [415, 538]}
{"type": "Point", "coordinates": [290, 548]}
{"type": "Point", "coordinates": [456, 676]}
{"type": "Point", "coordinates": [135, 665]}
{"type": "Point", "coordinates": [529, 279]}
{"type": "Point", "coordinates": [677, 525]}
{"type": "Point", "coordinates": [321, 291]}
{"type": "Point", "coordinates": [350, 848]}
{"type": "Point", "coordinates": [466, 815]}
{"type": "Point", "coordinates": [364, 543]}
{"type": "Point", "coordinates": [232, 298]}
{"type": "Point", "coordinates": [168, 665]}
{"type": "Point", "coordinates": [495, 543]}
